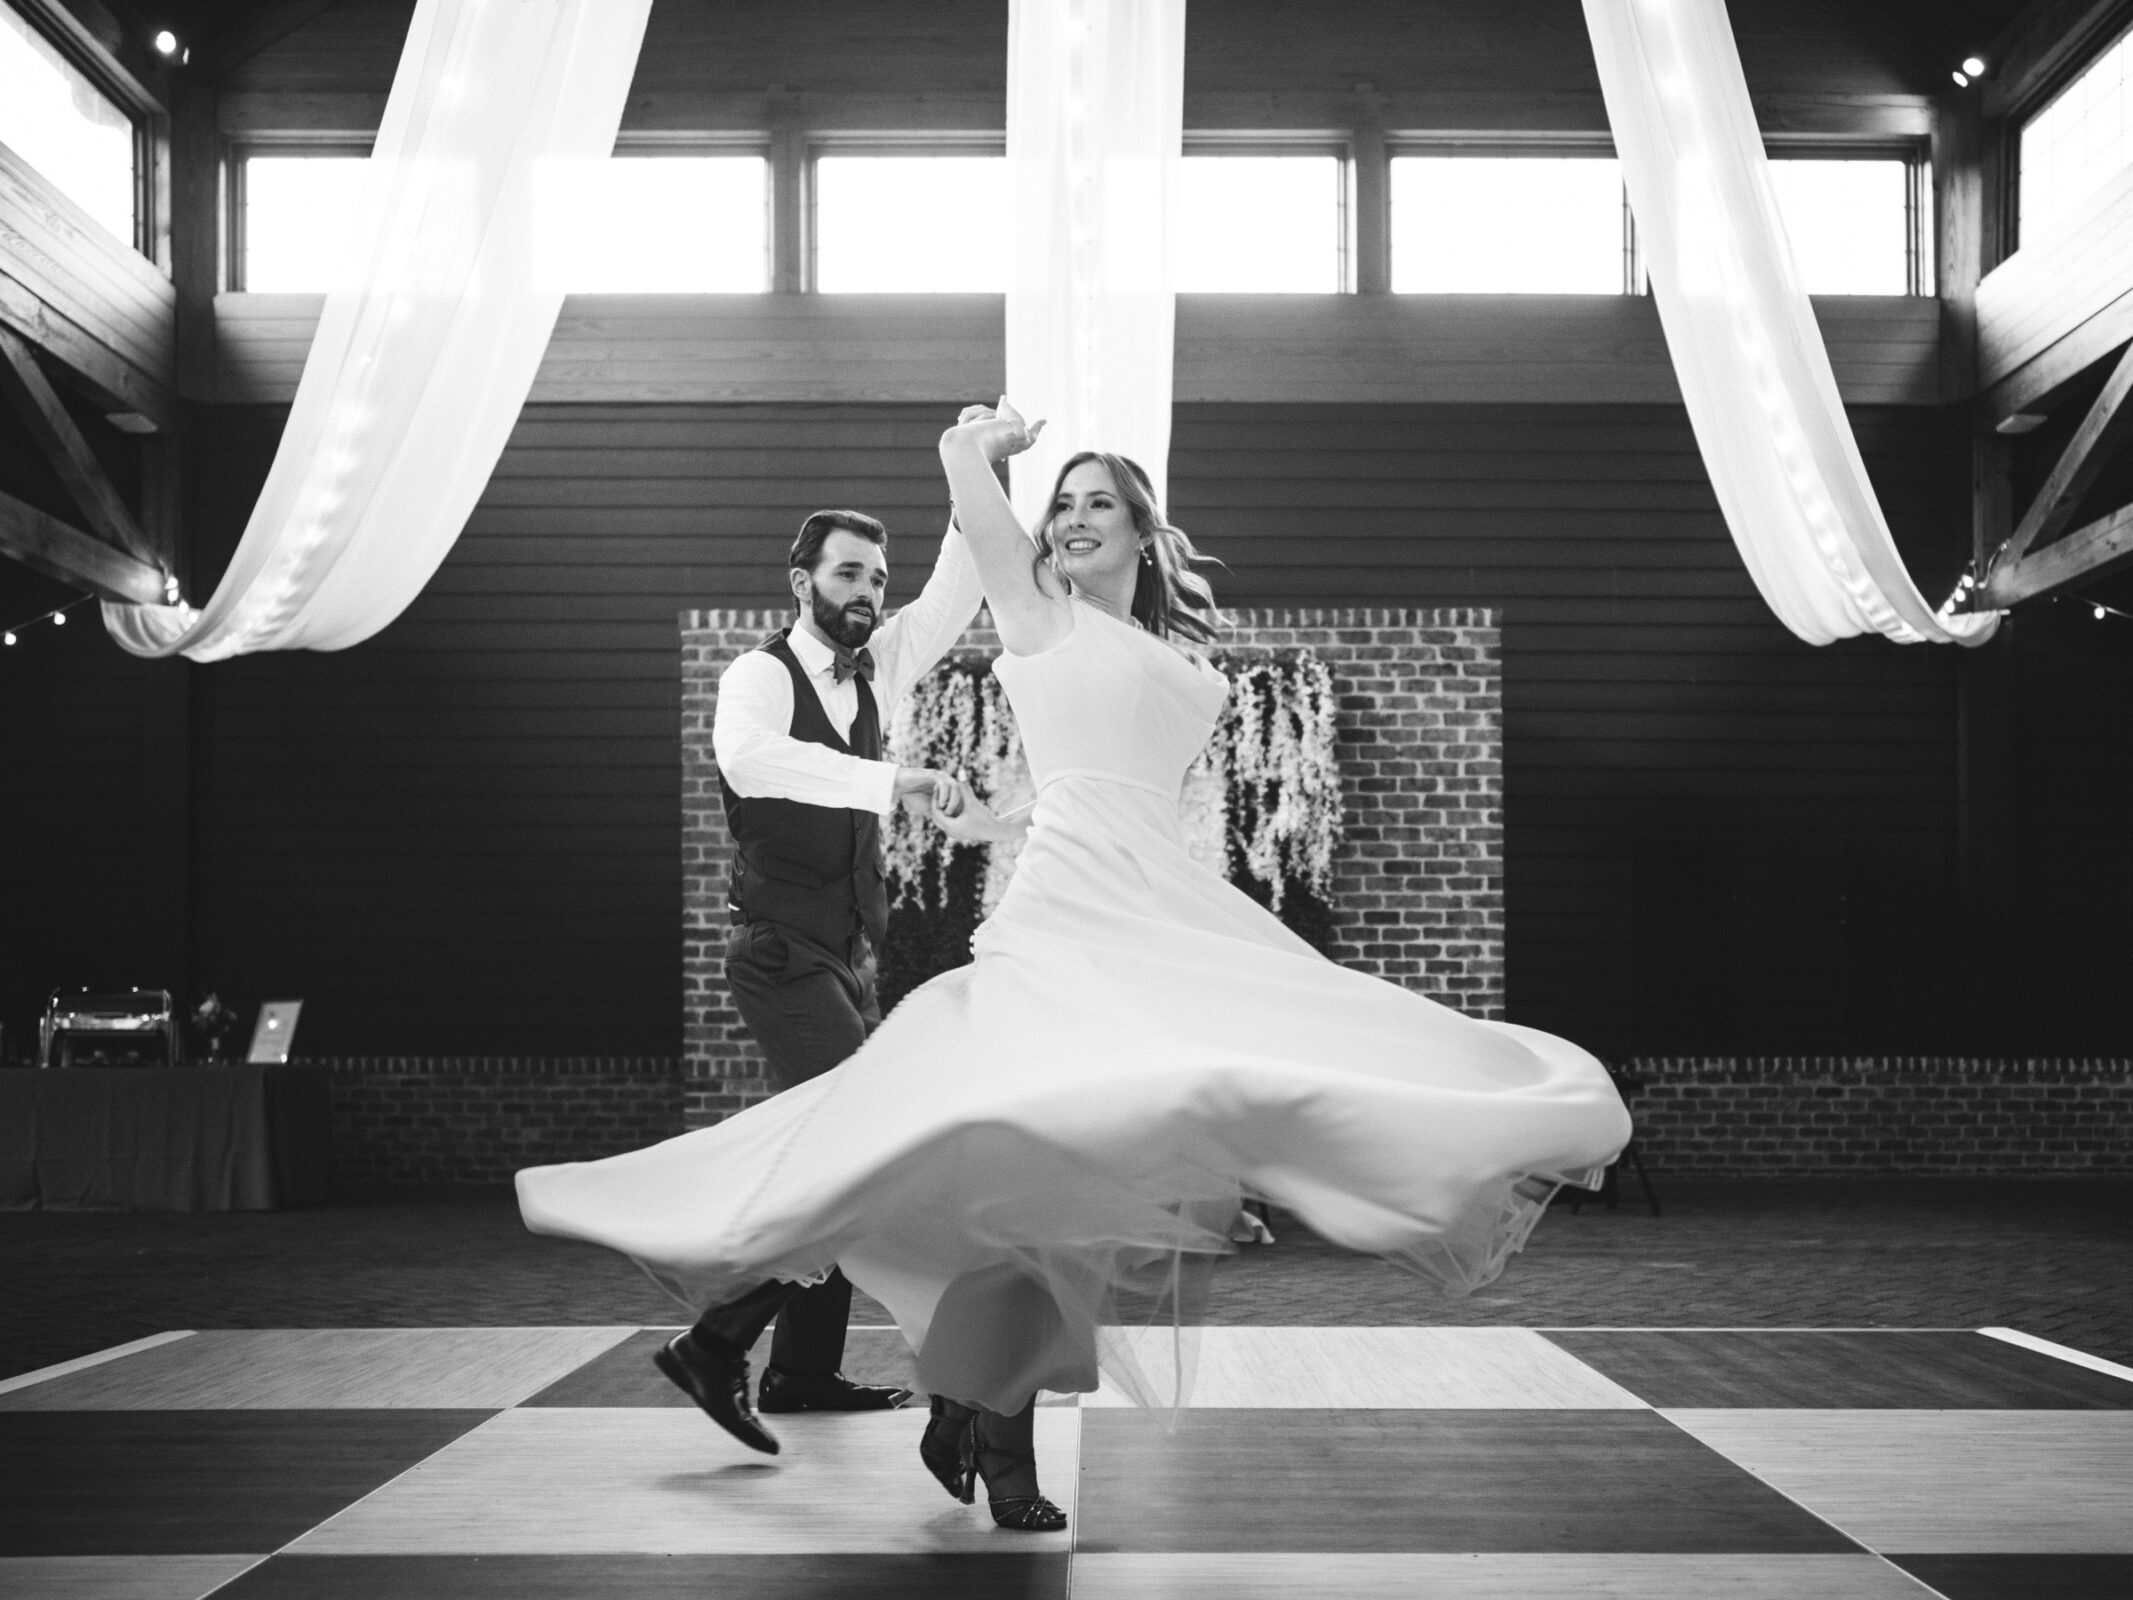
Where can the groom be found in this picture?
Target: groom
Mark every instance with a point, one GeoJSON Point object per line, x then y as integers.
{"type": "Point", "coordinates": [797, 734]}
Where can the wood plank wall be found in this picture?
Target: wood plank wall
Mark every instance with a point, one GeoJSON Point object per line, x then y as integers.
{"type": "Point", "coordinates": [1364, 349]}
{"type": "Point", "coordinates": [1812, 66]}
{"type": "Point", "coordinates": [2054, 284]}
{"type": "Point", "coordinates": [463, 835]}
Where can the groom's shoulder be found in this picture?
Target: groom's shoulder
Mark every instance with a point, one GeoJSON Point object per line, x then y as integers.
{"type": "Point", "coordinates": [761, 659]}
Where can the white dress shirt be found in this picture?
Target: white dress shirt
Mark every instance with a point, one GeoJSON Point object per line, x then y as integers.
{"type": "Point", "coordinates": [751, 731]}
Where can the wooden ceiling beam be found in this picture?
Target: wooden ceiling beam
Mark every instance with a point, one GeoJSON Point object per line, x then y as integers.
{"type": "Point", "coordinates": [2015, 574]}
{"type": "Point", "coordinates": [63, 445]}
{"type": "Point", "coordinates": [2032, 385]}
{"type": "Point", "coordinates": [2081, 557]}
{"type": "Point", "coordinates": [58, 551]}
{"type": "Point", "coordinates": [2100, 434]}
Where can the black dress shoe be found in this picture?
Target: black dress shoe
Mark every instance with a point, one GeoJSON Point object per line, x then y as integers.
{"type": "Point", "coordinates": [825, 1391]}
{"type": "Point", "coordinates": [717, 1380]}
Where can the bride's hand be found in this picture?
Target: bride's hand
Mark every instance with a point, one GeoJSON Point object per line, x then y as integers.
{"type": "Point", "coordinates": [978, 824]}
{"type": "Point", "coordinates": [998, 432]}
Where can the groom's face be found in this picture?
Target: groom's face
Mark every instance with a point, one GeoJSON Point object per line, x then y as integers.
{"type": "Point", "coordinates": [844, 593]}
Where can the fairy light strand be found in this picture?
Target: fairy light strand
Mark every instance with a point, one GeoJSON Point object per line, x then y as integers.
{"type": "Point", "coordinates": [57, 616]}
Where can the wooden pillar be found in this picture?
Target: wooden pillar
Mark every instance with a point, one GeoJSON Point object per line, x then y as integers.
{"type": "Point", "coordinates": [166, 842]}
{"type": "Point", "coordinates": [1959, 240]}
{"type": "Point", "coordinates": [196, 266]}
{"type": "Point", "coordinates": [1370, 195]}
{"type": "Point", "coordinates": [789, 267]}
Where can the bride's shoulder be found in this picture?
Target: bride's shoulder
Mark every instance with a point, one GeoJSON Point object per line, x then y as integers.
{"type": "Point", "coordinates": [1192, 653]}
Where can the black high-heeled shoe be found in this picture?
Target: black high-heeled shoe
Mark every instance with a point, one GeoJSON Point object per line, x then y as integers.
{"type": "Point", "coordinates": [949, 1448]}
{"type": "Point", "coordinates": [1020, 1513]}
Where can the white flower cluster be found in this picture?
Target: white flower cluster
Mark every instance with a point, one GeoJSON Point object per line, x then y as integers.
{"type": "Point", "coordinates": [954, 720]}
{"type": "Point", "coordinates": [1266, 792]}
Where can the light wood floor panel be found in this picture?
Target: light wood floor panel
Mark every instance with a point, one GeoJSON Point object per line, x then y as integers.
{"type": "Point", "coordinates": [320, 1369]}
{"type": "Point", "coordinates": [118, 1577]}
{"type": "Point", "coordinates": [1948, 1481]}
{"type": "Point", "coordinates": [1490, 1577]}
{"type": "Point", "coordinates": [1392, 1369]}
{"type": "Point", "coordinates": [555, 1481]}
{"type": "Point", "coordinates": [117, 1352]}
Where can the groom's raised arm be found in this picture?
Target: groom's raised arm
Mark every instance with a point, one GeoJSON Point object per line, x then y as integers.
{"type": "Point", "coordinates": [906, 647]}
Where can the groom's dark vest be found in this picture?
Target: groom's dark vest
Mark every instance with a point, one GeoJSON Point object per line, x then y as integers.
{"type": "Point", "coordinates": [814, 868]}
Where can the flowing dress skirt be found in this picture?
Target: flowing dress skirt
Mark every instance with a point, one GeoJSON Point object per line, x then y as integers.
{"type": "Point", "coordinates": [1136, 1045]}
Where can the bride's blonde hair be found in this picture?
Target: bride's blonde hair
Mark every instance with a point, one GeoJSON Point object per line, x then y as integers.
{"type": "Point", "coordinates": [1169, 598]}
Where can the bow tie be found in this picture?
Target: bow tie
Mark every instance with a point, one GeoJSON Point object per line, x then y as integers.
{"type": "Point", "coordinates": [848, 662]}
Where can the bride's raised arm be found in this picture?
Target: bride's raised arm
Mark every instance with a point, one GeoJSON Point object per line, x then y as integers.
{"type": "Point", "coordinates": [1030, 615]}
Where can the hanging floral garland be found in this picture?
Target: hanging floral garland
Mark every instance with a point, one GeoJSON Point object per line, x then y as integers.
{"type": "Point", "coordinates": [1281, 789]}
{"type": "Point", "coordinates": [1261, 805]}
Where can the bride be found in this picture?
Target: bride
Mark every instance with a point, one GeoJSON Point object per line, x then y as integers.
{"type": "Point", "coordinates": [1135, 1046]}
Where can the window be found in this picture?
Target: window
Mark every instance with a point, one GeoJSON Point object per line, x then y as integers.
{"type": "Point", "coordinates": [1479, 224]}
{"type": "Point", "coordinates": [1256, 224]}
{"type": "Point", "coordinates": [296, 212]}
{"type": "Point", "coordinates": [55, 118]}
{"type": "Point", "coordinates": [1851, 223]}
{"type": "Point", "coordinates": [900, 224]}
{"type": "Point", "coordinates": [2080, 141]}
{"type": "Point", "coordinates": [667, 224]}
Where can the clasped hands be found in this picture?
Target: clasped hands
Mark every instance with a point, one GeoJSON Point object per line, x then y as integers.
{"type": "Point", "coordinates": [998, 431]}
{"type": "Point", "coordinates": [953, 809]}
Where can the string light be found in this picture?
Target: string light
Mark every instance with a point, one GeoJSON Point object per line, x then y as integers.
{"type": "Point", "coordinates": [2096, 608]}
{"type": "Point", "coordinates": [57, 617]}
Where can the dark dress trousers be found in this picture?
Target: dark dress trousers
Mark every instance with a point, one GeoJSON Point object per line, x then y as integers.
{"type": "Point", "coordinates": [809, 910]}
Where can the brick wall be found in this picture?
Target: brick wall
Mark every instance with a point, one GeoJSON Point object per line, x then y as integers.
{"type": "Point", "coordinates": [476, 1121]}
{"type": "Point", "coordinates": [1875, 1115]}
{"type": "Point", "coordinates": [1418, 883]}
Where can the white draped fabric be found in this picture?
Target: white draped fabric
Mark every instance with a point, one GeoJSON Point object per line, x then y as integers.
{"type": "Point", "coordinates": [417, 374]}
{"type": "Point", "coordinates": [1095, 122]}
{"type": "Point", "coordinates": [1746, 347]}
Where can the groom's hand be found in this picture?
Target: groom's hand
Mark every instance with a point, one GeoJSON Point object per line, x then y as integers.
{"type": "Point", "coordinates": [974, 824]}
{"type": "Point", "coordinates": [940, 790]}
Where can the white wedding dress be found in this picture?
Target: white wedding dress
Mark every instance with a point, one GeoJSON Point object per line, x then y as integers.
{"type": "Point", "coordinates": [1135, 1045]}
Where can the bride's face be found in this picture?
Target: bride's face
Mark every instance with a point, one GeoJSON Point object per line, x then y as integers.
{"type": "Point", "coordinates": [1094, 541]}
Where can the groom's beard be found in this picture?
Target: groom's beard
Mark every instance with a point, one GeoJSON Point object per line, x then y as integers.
{"type": "Point", "coordinates": [850, 626]}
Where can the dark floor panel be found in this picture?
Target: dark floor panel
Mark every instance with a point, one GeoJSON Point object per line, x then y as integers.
{"type": "Point", "coordinates": [1841, 1371]}
{"type": "Point", "coordinates": [625, 1376]}
{"type": "Point", "coordinates": [1465, 1481]}
{"type": "Point", "coordinates": [1006, 1576]}
{"type": "Point", "coordinates": [94, 1483]}
{"type": "Point", "coordinates": [2024, 1577]}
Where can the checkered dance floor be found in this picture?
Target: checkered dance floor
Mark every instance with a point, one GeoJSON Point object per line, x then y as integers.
{"type": "Point", "coordinates": [1353, 1462]}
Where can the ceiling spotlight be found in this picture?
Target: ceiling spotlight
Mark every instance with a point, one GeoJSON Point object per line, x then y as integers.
{"type": "Point", "coordinates": [10, 638]}
{"type": "Point", "coordinates": [166, 43]}
{"type": "Point", "coordinates": [1962, 79]}
{"type": "Point", "coordinates": [59, 619]}
{"type": "Point", "coordinates": [2099, 613]}
{"type": "Point", "coordinates": [1974, 65]}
